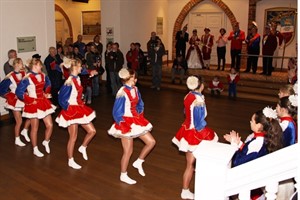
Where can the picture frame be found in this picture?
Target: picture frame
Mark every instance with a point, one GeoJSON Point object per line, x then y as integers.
{"type": "Point", "coordinates": [285, 18]}
{"type": "Point", "coordinates": [91, 22]}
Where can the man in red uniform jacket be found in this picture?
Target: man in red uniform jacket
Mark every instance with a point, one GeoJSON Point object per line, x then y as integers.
{"type": "Point", "coordinates": [236, 37]}
{"type": "Point", "coordinates": [269, 45]}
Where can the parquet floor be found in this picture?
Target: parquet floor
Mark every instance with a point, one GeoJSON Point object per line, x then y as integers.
{"type": "Point", "coordinates": [25, 176]}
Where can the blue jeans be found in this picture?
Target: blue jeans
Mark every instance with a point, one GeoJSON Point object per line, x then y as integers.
{"type": "Point", "coordinates": [232, 90]}
{"type": "Point", "coordinates": [95, 83]}
{"type": "Point", "coordinates": [88, 94]}
{"type": "Point", "coordinates": [156, 74]}
{"type": "Point", "coordinates": [115, 82]}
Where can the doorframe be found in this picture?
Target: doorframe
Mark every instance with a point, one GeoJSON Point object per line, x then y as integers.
{"type": "Point", "coordinates": [186, 10]}
{"type": "Point", "coordinates": [60, 10]}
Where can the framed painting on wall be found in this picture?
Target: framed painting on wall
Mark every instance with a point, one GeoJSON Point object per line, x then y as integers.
{"type": "Point", "coordinates": [285, 19]}
{"type": "Point", "coordinates": [91, 22]}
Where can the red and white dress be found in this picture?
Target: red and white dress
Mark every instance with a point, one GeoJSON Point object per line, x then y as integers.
{"type": "Point", "coordinates": [33, 90]}
{"type": "Point", "coordinates": [193, 130]}
{"type": "Point", "coordinates": [8, 89]}
{"type": "Point", "coordinates": [70, 99]}
{"type": "Point", "coordinates": [128, 113]}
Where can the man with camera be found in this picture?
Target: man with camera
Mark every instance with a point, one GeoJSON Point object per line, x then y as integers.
{"type": "Point", "coordinates": [115, 62]}
{"type": "Point", "coordinates": [156, 50]}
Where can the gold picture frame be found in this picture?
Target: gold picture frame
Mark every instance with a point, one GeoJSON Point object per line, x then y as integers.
{"type": "Point", "coordinates": [91, 22]}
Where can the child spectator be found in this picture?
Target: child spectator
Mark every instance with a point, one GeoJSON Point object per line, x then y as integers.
{"type": "Point", "coordinates": [233, 78]}
{"type": "Point", "coordinates": [215, 86]}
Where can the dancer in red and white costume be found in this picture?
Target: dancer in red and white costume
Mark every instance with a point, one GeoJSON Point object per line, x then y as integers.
{"type": "Point", "coordinates": [193, 130]}
{"type": "Point", "coordinates": [75, 112]}
{"type": "Point", "coordinates": [34, 90]}
{"type": "Point", "coordinates": [7, 89]}
{"type": "Point", "coordinates": [130, 123]}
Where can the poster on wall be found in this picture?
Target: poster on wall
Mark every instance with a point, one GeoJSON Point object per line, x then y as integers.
{"type": "Point", "coordinates": [285, 19]}
{"type": "Point", "coordinates": [26, 44]}
{"type": "Point", "coordinates": [159, 25]}
{"type": "Point", "coordinates": [109, 34]}
{"type": "Point", "coordinates": [91, 23]}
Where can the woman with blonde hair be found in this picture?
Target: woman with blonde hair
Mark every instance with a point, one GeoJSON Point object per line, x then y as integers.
{"type": "Point", "coordinates": [34, 90]}
{"type": "Point", "coordinates": [75, 112]}
{"type": "Point", "coordinates": [130, 123]}
{"type": "Point", "coordinates": [7, 89]}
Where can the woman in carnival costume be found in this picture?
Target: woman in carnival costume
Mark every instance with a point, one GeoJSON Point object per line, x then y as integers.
{"type": "Point", "coordinates": [130, 123]}
{"type": "Point", "coordinates": [193, 130]}
{"type": "Point", "coordinates": [74, 112]}
{"type": "Point", "coordinates": [8, 90]}
{"type": "Point", "coordinates": [34, 89]}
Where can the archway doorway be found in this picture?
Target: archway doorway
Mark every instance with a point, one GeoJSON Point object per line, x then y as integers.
{"type": "Point", "coordinates": [189, 7]}
{"type": "Point", "coordinates": [63, 25]}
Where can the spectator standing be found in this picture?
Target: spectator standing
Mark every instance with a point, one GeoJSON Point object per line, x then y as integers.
{"type": "Point", "coordinates": [93, 62]}
{"type": "Point", "coordinates": [106, 58]}
{"type": "Point", "coordinates": [132, 58]}
{"type": "Point", "coordinates": [269, 45]}
{"type": "Point", "coordinates": [156, 50]}
{"type": "Point", "coordinates": [8, 66]}
{"type": "Point", "coordinates": [55, 76]}
{"type": "Point", "coordinates": [142, 59]}
{"type": "Point", "coordinates": [115, 62]}
{"type": "Point", "coordinates": [80, 45]}
{"type": "Point", "coordinates": [182, 37]}
{"type": "Point", "coordinates": [236, 37]}
{"type": "Point", "coordinates": [194, 55]}
{"type": "Point", "coordinates": [253, 48]}
{"type": "Point", "coordinates": [207, 40]}
{"type": "Point", "coordinates": [221, 48]}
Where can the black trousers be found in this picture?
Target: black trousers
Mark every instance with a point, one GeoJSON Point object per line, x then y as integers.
{"type": "Point", "coordinates": [221, 52]}
{"type": "Point", "coordinates": [235, 58]}
{"type": "Point", "coordinates": [181, 51]}
{"type": "Point", "coordinates": [267, 65]}
{"type": "Point", "coordinates": [252, 61]}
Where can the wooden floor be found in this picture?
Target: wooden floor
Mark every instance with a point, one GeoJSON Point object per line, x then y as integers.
{"type": "Point", "coordinates": [25, 176]}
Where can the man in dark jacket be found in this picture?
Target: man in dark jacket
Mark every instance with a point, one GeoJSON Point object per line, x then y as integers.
{"type": "Point", "coordinates": [182, 37]}
{"type": "Point", "coordinates": [269, 45]}
{"type": "Point", "coordinates": [156, 50]}
{"type": "Point", "coordinates": [115, 61]}
{"type": "Point", "coordinates": [55, 76]}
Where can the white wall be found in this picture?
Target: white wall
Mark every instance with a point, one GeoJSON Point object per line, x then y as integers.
{"type": "Point", "coordinates": [133, 21]}
{"type": "Point", "coordinates": [74, 11]}
{"type": "Point", "coordinates": [17, 21]}
{"type": "Point", "coordinates": [290, 50]}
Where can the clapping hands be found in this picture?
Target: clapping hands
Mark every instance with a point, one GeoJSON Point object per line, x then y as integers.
{"type": "Point", "coordinates": [233, 137]}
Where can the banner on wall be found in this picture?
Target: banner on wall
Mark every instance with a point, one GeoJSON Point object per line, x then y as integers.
{"type": "Point", "coordinates": [285, 19]}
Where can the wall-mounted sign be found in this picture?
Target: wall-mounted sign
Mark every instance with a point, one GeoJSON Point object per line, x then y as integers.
{"type": "Point", "coordinates": [26, 44]}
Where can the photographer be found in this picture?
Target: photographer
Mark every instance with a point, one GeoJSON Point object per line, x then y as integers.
{"type": "Point", "coordinates": [156, 50]}
{"type": "Point", "coordinates": [93, 62]}
{"type": "Point", "coordinates": [115, 62]}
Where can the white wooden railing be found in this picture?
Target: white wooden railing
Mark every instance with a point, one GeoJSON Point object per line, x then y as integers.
{"type": "Point", "coordinates": [215, 180]}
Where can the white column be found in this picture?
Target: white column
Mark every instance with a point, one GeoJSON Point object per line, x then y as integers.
{"type": "Point", "coordinates": [212, 164]}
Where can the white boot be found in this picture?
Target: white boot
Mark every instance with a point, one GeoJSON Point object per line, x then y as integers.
{"type": "Point", "coordinates": [19, 142]}
{"type": "Point", "coordinates": [82, 150]}
{"type": "Point", "coordinates": [37, 152]}
{"type": "Point", "coordinates": [187, 194]}
{"type": "Point", "coordinates": [138, 165]}
{"type": "Point", "coordinates": [46, 145]}
{"type": "Point", "coordinates": [24, 132]}
{"type": "Point", "coordinates": [73, 164]}
{"type": "Point", "coordinates": [125, 178]}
